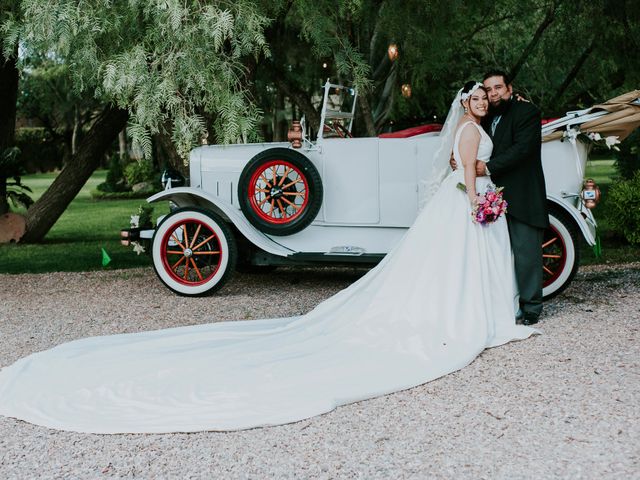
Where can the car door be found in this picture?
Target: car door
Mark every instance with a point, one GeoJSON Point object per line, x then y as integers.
{"type": "Point", "coordinates": [350, 177]}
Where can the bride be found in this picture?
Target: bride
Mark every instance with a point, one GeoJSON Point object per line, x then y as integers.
{"type": "Point", "coordinates": [443, 295]}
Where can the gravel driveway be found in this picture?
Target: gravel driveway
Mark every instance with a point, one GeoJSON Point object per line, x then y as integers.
{"type": "Point", "coordinates": [565, 404]}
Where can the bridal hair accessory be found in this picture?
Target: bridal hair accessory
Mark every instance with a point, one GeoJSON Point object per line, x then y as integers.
{"type": "Point", "coordinates": [464, 96]}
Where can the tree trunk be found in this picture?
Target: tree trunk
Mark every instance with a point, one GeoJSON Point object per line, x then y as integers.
{"type": "Point", "coordinates": [385, 102]}
{"type": "Point", "coordinates": [281, 126]}
{"type": "Point", "coordinates": [4, 202]}
{"type": "Point", "coordinates": [367, 115]}
{"type": "Point", "coordinates": [548, 20]}
{"type": "Point", "coordinates": [43, 214]}
{"type": "Point", "coordinates": [170, 157]}
{"type": "Point", "coordinates": [76, 131]}
{"type": "Point", "coordinates": [8, 98]}
{"type": "Point", "coordinates": [573, 73]}
{"type": "Point", "coordinates": [122, 143]}
{"type": "Point", "coordinates": [301, 99]}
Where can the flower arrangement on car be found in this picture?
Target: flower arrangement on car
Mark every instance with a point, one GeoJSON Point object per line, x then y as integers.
{"type": "Point", "coordinates": [574, 133]}
{"type": "Point", "coordinates": [143, 219]}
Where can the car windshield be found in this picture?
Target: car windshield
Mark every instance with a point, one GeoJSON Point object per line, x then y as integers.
{"type": "Point", "coordinates": [340, 100]}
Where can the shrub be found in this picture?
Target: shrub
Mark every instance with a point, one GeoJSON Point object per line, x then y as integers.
{"type": "Point", "coordinates": [114, 173]}
{"type": "Point", "coordinates": [139, 171]}
{"type": "Point", "coordinates": [14, 190]}
{"type": "Point", "coordinates": [39, 152]}
{"type": "Point", "coordinates": [623, 204]}
{"type": "Point", "coordinates": [628, 158]}
{"type": "Point", "coordinates": [115, 179]}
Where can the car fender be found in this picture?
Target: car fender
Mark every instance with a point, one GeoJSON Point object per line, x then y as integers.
{"type": "Point", "coordinates": [188, 196]}
{"type": "Point", "coordinates": [587, 225]}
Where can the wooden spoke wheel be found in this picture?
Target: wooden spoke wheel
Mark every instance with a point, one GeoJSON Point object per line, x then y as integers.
{"type": "Point", "coordinates": [280, 191]}
{"type": "Point", "coordinates": [193, 252]}
{"type": "Point", "coordinates": [560, 253]}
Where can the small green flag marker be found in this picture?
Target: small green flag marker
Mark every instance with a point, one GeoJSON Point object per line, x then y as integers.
{"type": "Point", "coordinates": [597, 248]}
{"type": "Point", "coordinates": [106, 259]}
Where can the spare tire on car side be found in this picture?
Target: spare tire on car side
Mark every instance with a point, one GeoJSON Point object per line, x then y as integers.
{"type": "Point", "coordinates": [280, 191]}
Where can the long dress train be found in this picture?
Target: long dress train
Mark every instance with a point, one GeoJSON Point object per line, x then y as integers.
{"type": "Point", "coordinates": [429, 308]}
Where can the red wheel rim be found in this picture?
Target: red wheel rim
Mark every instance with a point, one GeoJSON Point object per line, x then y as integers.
{"type": "Point", "coordinates": [191, 252]}
{"type": "Point", "coordinates": [278, 192]}
{"type": "Point", "coordinates": [554, 255]}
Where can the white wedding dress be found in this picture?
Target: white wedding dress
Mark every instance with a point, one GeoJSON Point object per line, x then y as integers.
{"type": "Point", "coordinates": [442, 296]}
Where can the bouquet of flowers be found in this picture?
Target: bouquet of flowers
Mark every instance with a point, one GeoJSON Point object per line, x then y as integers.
{"type": "Point", "coordinates": [490, 205]}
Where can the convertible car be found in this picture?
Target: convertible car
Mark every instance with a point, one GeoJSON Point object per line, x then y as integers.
{"type": "Point", "coordinates": [343, 200]}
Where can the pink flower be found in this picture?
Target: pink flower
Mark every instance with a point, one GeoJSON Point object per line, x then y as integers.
{"type": "Point", "coordinates": [490, 205]}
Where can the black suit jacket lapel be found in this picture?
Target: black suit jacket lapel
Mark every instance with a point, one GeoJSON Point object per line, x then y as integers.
{"type": "Point", "coordinates": [503, 126]}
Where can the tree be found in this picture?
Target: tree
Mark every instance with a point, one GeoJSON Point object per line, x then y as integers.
{"type": "Point", "coordinates": [148, 64]}
{"type": "Point", "coordinates": [46, 94]}
{"type": "Point", "coordinates": [9, 89]}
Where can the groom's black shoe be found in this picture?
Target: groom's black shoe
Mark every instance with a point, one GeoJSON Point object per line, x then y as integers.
{"type": "Point", "coordinates": [530, 319]}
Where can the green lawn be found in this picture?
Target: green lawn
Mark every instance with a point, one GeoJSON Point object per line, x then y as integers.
{"type": "Point", "coordinates": [601, 171]}
{"type": "Point", "coordinates": [75, 241]}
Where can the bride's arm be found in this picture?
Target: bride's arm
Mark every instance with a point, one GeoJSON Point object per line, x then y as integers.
{"type": "Point", "coordinates": [468, 148]}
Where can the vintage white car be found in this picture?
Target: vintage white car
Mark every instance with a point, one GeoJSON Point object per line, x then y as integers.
{"type": "Point", "coordinates": [334, 200]}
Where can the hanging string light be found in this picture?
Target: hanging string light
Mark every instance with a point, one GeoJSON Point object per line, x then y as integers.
{"type": "Point", "coordinates": [393, 52]}
{"type": "Point", "coordinates": [406, 90]}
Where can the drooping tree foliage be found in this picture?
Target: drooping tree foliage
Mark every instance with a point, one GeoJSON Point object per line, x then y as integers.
{"type": "Point", "coordinates": [156, 64]}
{"type": "Point", "coordinates": [562, 54]}
{"type": "Point", "coordinates": [238, 70]}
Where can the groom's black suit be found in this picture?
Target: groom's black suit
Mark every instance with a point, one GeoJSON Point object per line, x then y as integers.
{"type": "Point", "coordinates": [516, 165]}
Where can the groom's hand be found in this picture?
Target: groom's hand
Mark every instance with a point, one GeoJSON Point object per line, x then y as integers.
{"type": "Point", "coordinates": [452, 162]}
{"type": "Point", "coordinates": [481, 169]}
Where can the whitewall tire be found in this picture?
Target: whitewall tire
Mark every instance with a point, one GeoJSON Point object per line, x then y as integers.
{"type": "Point", "coordinates": [194, 252]}
{"type": "Point", "coordinates": [560, 253]}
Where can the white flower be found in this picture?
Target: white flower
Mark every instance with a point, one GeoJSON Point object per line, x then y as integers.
{"type": "Point", "coordinates": [595, 136]}
{"type": "Point", "coordinates": [138, 248]}
{"type": "Point", "coordinates": [135, 220]}
{"type": "Point", "coordinates": [571, 134]}
{"type": "Point", "coordinates": [611, 141]}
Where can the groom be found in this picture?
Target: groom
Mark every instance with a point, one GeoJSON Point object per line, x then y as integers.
{"type": "Point", "coordinates": [514, 127]}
